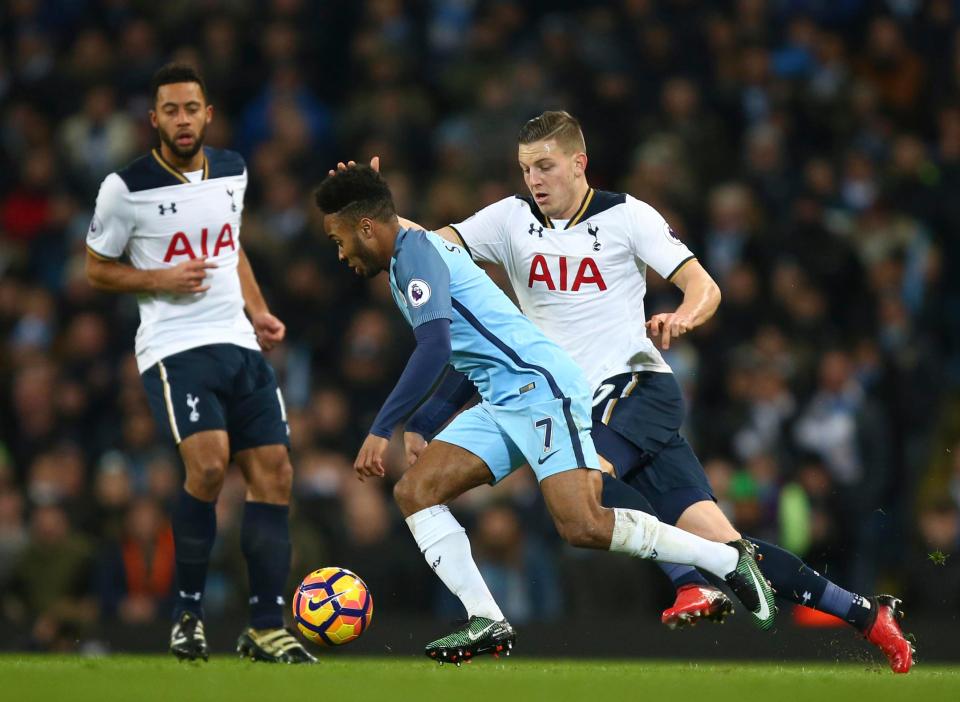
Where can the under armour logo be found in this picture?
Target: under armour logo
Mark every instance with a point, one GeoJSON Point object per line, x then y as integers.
{"type": "Point", "coordinates": [172, 207]}
{"type": "Point", "coordinates": [535, 228]}
{"type": "Point", "coordinates": [233, 205]}
{"type": "Point", "coordinates": [192, 403]}
{"type": "Point", "coordinates": [190, 595]}
{"type": "Point", "coordinates": [436, 563]}
{"type": "Point", "coordinates": [592, 231]}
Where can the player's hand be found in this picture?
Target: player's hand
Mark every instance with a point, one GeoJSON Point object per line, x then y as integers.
{"type": "Point", "coordinates": [369, 463]}
{"type": "Point", "coordinates": [270, 330]}
{"type": "Point", "coordinates": [185, 278]}
{"type": "Point", "coordinates": [667, 326]}
{"type": "Point", "coordinates": [341, 166]}
{"type": "Point", "coordinates": [413, 446]}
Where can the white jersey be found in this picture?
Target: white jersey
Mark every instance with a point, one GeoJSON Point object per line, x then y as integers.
{"type": "Point", "coordinates": [584, 284]}
{"type": "Point", "coordinates": [158, 218]}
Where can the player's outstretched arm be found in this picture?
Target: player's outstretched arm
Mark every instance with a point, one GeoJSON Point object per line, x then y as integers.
{"type": "Point", "coordinates": [701, 297]}
{"type": "Point", "coordinates": [113, 276]}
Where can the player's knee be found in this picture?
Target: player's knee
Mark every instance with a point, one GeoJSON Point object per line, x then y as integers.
{"type": "Point", "coordinates": [413, 494]}
{"type": "Point", "coordinates": [581, 531]}
{"type": "Point", "coordinates": [279, 480]}
{"type": "Point", "coordinates": [404, 494]}
{"type": "Point", "coordinates": [207, 479]}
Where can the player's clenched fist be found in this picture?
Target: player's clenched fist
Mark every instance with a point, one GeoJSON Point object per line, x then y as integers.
{"type": "Point", "coordinates": [186, 277]}
{"type": "Point", "coordinates": [369, 461]}
{"type": "Point", "coordinates": [668, 326]}
{"type": "Point", "coordinates": [270, 330]}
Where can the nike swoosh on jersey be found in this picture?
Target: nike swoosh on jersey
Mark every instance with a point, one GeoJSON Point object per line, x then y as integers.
{"type": "Point", "coordinates": [764, 607]}
{"type": "Point", "coordinates": [543, 460]}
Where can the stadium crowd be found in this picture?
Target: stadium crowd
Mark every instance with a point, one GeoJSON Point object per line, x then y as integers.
{"type": "Point", "coordinates": [808, 152]}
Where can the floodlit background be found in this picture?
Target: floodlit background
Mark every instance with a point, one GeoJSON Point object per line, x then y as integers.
{"type": "Point", "coordinates": [808, 153]}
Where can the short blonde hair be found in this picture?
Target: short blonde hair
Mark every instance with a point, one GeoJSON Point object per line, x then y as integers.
{"type": "Point", "coordinates": [555, 124]}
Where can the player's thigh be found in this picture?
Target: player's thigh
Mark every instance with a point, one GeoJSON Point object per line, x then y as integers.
{"type": "Point", "coordinates": [478, 432]}
{"type": "Point", "coordinates": [184, 391]}
{"type": "Point", "coordinates": [442, 472]}
{"type": "Point", "coordinates": [646, 409]}
{"type": "Point", "coordinates": [704, 518]}
{"type": "Point", "coordinates": [206, 455]}
{"type": "Point", "coordinates": [618, 455]}
{"type": "Point", "coordinates": [268, 472]}
{"type": "Point", "coordinates": [256, 413]}
{"type": "Point", "coordinates": [553, 436]}
{"type": "Point", "coordinates": [674, 481]}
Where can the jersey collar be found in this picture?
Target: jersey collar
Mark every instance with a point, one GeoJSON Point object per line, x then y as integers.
{"type": "Point", "coordinates": [584, 204]}
{"type": "Point", "coordinates": [174, 171]}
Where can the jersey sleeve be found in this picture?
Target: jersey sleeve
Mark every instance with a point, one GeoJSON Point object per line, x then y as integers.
{"type": "Point", "coordinates": [485, 233]}
{"type": "Point", "coordinates": [653, 241]}
{"type": "Point", "coordinates": [424, 279]}
{"type": "Point", "coordinates": [113, 219]}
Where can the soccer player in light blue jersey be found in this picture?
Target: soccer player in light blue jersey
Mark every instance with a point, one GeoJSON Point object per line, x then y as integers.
{"type": "Point", "coordinates": [535, 409]}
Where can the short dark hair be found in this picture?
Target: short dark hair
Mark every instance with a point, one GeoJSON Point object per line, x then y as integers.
{"type": "Point", "coordinates": [359, 191]}
{"type": "Point", "coordinates": [554, 124]}
{"type": "Point", "coordinates": [176, 73]}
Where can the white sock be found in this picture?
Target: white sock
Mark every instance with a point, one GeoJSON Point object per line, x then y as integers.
{"type": "Point", "coordinates": [644, 536]}
{"type": "Point", "coordinates": [444, 543]}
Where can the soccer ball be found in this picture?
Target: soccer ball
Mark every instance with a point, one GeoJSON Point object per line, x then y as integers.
{"type": "Point", "coordinates": [332, 606]}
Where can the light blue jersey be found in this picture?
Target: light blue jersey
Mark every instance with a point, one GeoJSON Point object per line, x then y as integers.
{"type": "Point", "coordinates": [536, 400]}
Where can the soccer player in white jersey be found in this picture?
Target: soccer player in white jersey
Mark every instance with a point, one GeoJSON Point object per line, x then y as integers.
{"type": "Point", "coordinates": [167, 228]}
{"type": "Point", "coordinates": [577, 260]}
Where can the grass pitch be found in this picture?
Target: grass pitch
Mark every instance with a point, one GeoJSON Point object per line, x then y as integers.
{"type": "Point", "coordinates": [148, 678]}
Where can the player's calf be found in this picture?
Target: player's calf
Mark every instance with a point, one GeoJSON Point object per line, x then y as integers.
{"type": "Point", "coordinates": [585, 530]}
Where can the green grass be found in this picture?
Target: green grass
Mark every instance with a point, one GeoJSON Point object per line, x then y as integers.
{"type": "Point", "coordinates": [348, 679]}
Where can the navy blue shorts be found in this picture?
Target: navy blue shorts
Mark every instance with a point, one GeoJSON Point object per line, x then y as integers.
{"type": "Point", "coordinates": [218, 387]}
{"type": "Point", "coordinates": [636, 426]}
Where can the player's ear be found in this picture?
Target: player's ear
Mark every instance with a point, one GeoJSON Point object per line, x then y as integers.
{"type": "Point", "coordinates": [365, 228]}
{"type": "Point", "coordinates": [153, 119]}
{"type": "Point", "coordinates": [580, 163]}
{"type": "Point", "coordinates": [209, 114]}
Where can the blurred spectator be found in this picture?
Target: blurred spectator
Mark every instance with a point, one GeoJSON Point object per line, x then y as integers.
{"type": "Point", "coordinates": [98, 139]}
{"type": "Point", "coordinates": [135, 571]}
{"type": "Point", "coordinates": [841, 425]}
{"type": "Point", "coordinates": [13, 532]}
{"type": "Point", "coordinates": [934, 567]}
{"type": "Point", "coordinates": [49, 584]}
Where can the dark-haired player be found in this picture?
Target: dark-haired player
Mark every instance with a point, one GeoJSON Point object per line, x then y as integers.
{"type": "Point", "coordinates": [577, 260]}
{"type": "Point", "coordinates": [535, 410]}
{"type": "Point", "coordinates": [167, 228]}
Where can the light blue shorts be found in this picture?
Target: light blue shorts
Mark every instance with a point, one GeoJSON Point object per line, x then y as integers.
{"type": "Point", "coordinates": [551, 436]}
